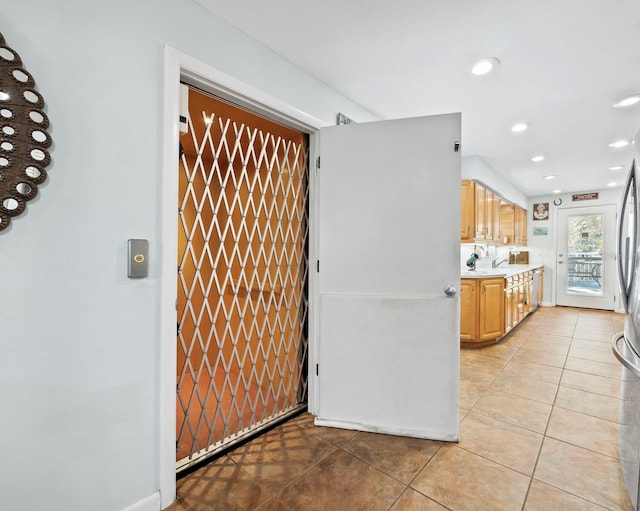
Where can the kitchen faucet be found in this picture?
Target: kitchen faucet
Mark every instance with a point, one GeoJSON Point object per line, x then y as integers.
{"type": "Point", "coordinates": [495, 263]}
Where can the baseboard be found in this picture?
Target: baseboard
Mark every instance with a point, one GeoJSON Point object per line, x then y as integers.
{"type": "Point", "coordinates": [151, 503]}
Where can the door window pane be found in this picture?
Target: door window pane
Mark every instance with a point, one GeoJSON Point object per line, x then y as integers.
{"type": "Point", "coordinates": [584, 261]}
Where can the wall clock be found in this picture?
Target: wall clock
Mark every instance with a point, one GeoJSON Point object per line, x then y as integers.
{"type": "Point", "coordinates": [24, 140]}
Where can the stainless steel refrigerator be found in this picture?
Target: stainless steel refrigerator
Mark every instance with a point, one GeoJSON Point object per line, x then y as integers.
{"type": "Point", "coordinates": [626, 345]}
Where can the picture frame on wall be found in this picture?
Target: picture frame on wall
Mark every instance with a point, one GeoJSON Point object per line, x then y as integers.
{"type": "Point", "coordinates": [541, 211]}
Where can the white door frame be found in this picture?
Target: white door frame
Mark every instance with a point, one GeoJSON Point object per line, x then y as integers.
{"type": "Point", "coordinates": [177, 66]}
{"type": "Point", "coordinates": [612, 278]}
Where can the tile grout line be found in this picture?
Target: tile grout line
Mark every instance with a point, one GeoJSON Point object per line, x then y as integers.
{"type": "Point", "coordinates": [544, 435]}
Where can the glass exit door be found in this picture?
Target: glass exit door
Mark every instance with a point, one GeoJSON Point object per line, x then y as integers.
{"type": "Point", "coordinates": [586, 272]}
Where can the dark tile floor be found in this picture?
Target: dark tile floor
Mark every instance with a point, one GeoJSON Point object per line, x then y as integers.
{"type": "Point", "coordinates": [538, 430]}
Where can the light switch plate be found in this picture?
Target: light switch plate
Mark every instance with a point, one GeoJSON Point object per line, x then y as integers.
{"type": "Point", "coordinates": [138, 259]}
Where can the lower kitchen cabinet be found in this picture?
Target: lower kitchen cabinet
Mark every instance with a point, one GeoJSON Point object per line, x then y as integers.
{"type": "Point", "coordinates": [491, 307]}
{"type": "Point", "coordinates": [481, 310]}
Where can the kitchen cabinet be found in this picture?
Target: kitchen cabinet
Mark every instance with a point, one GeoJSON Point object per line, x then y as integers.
{"type": "Point", "coordinates": [507, 222]}
{"type": "Point", "coordinates": [489, 218]}
{"type": "Point", "coordinates": [510, 309]}
{"type": "Point", "coordinates": [518, 298]}
{"type": "Point", "coordinates": [468, 309]}
{"type": "Point", "coordinates": [481, 212]}
{"type": "Point", "coordinates": [520, 224]}
{"type": "Point", "coordinates": [541, 285]}
{"type": "Point", "coordinates": [492, 306]}
{"type": "Point", "coordinates": [481, 310]}
{"type": "Point", "coordinates": [468, 211]}
{"type": "Point", "coordinates": [492, 216]}
{"type": "Point", "coordinates": [513, 224]}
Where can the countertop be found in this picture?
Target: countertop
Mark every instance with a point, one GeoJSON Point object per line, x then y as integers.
{"type": "Point", "coordinates": [504, 270]}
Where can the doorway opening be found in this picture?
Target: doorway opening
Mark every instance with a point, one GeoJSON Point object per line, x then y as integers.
{"type": "Point", "coordinates": [242, 279]}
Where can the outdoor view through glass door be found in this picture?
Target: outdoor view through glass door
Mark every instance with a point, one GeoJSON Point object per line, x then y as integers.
{"type": "Point", "coordinates": [586, 273]}
{"type": "Point", "coordinates": [242, 277]}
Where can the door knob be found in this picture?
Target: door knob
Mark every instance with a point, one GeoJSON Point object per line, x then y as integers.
{"type": "Point", "coordinates": [450, 290]}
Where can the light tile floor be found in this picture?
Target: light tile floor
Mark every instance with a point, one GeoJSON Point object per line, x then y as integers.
{"type": "Point", "coordinates": [538, 430]}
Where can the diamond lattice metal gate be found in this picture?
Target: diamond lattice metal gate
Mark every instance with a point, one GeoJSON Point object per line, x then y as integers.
{"type": "Point", "coordinates": [242, 276]}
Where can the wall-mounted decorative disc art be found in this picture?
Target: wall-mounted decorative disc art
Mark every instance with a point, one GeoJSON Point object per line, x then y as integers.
{"type": "Point", "coordinates": [24, 140]}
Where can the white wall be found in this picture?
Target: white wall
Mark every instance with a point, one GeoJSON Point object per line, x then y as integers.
{"type": "Point", "coordinates": [79, 342]}
{"type": "Point", "coordinates": [542, 249]}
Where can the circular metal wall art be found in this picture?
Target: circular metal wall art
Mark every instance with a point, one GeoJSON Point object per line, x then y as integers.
{"type": "Point", "coordinates": [24, 140]}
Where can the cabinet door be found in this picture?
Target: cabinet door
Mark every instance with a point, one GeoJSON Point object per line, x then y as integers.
{"type": "Point", "coordinates": [508, 305]}
{"type": "Point", "coordinates": [521, 299]}
{"type": "Point", "coordinates": [491, 309]}
{"type": "Point", "coordinates": [489, 220]}
{"type": "Point", "coordinates": [541, 286]}
{"type": "Point", "coordinates": [497, 234]}
{"type": "Point", "coordinates": [507, 223]}
{"type": "Point", "coordinates": [481, 212]}
{"type": "Point", "coordinates": [468, 310]}
{"type": "Point", "coordinates": [528, 292]}
{"type": "Point", "coordinates": [467, 211]}
{"type": "Point", "coordinates": [520, 226]}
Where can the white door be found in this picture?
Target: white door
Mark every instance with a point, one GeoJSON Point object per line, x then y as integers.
{"type": "Point", "coordinates": [389, 246]}
{"type": "Point", "coordinates": [586, 269]}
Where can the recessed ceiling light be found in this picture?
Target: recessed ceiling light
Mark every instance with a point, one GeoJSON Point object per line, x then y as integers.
{"type": "Point", "coordinates": [557, 191]}
{"type": "Point", "coordinates": [619, 143]}
{"type": "Point", "coordinates": [484, 66]}
{"type": "Point", "coordinates": [538, 158]}
{"type": "Point", "coordinates": [628, 101]}
{"type": "Point", "coordinates": [3, 96]}
{"type": "Point", "coordinates": [616, 167]}
{"type": "Point", "coordinates": [520, 127]}
{"type": "Point", "coordinates": [611, 184]}
{"type": "Point", "coordinates": [549, 177]}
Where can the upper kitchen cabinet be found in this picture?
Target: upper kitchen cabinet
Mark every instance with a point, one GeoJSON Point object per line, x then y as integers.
{"type": "Point", "coordinates": [481, 212]}
{"type": "Point", "coordinates": [507, 222]}
{"type": "Point", "coordinates": [489, 218]}
{"type": "Point", "coordinates": [520, 226]}
{"type": "Point", "coordinates": [493, 217]}
{"type": "Point", "coordinates": [481, 215]}
{"type": "Point", "coordinates": [468, 211]}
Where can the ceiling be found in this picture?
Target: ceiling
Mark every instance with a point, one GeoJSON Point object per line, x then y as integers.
{"type": "Point", "coordinates": [563, 63]}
